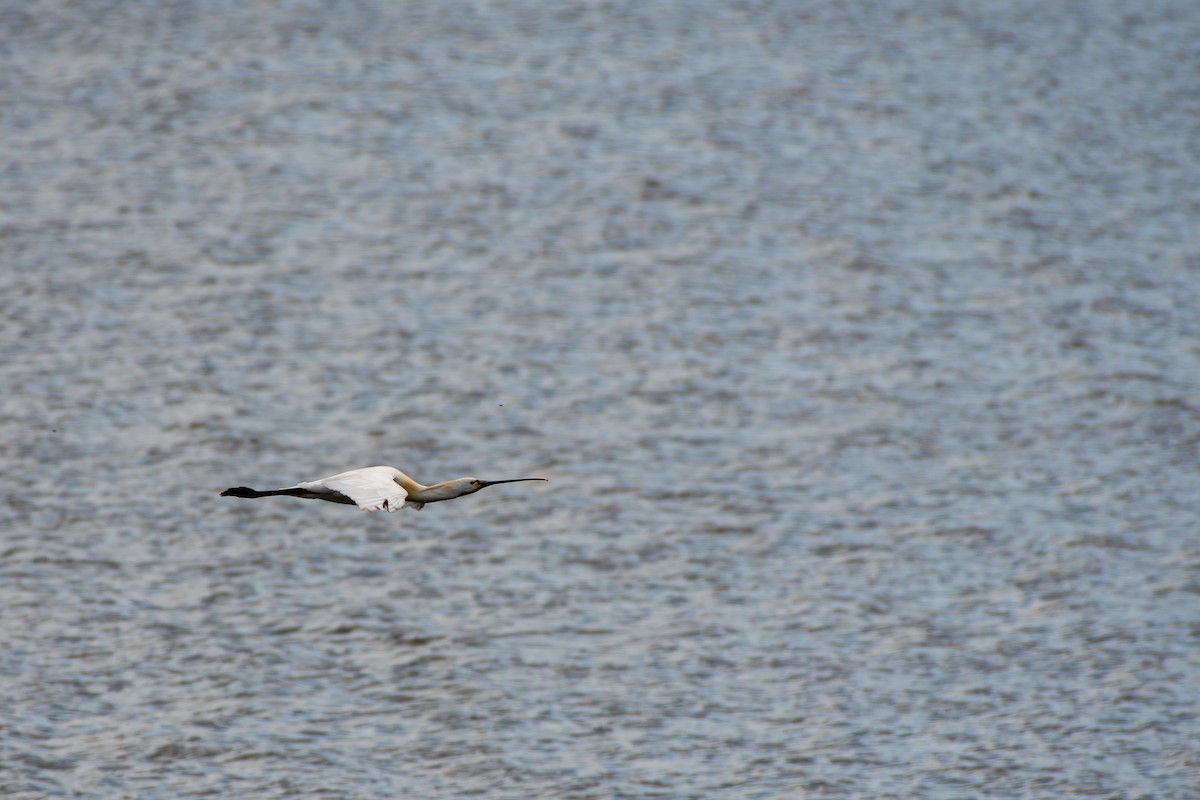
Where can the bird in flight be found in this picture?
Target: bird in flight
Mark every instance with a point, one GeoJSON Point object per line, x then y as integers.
{"type": "Point", "coordinates": [375, 489]}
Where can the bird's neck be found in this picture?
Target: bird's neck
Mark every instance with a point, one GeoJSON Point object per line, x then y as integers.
{"type": "Point", "coordinates": [446, 490]}
{"type": "Point", "coordinates": [410, 486]}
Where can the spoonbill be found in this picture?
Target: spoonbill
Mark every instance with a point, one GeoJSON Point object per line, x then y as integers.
{"type": "Point", "coordinates": [375, 489]}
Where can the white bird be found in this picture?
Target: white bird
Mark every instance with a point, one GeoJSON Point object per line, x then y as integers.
{"type": "Point", "coordinates": [375, 489]}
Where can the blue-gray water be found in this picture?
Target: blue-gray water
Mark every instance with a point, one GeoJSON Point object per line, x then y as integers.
{"type": "Point", "coordinates": [860, 343]}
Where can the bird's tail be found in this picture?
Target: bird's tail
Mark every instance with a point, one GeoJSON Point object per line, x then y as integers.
{"type": "Point", "coordinates": [245, 491]}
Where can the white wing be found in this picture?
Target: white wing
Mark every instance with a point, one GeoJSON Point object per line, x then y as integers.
{"type": "Point", "coordinates": [371, 488]}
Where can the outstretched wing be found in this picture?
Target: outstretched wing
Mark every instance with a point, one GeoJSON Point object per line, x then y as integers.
{"type": "Point", "coordinates": [371, 488]}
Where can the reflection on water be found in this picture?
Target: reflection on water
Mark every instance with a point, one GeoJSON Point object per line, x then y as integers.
{"type": "Point", "coordinates": [857, 345]}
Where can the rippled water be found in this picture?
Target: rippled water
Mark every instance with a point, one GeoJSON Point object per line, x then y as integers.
{"type": "Point", "coordinates": [861, 346]}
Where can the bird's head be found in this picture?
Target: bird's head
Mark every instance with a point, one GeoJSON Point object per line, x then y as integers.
{"type": "Point", "coordinates": [460, 487]}
{"type": "Point", "coordinates": [470, 485]}
{"type": "Point", "coordinates": [475, 484]}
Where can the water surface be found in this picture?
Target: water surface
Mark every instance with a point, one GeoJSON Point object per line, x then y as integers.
{"type": "Point", "coordinates": [859, 345]}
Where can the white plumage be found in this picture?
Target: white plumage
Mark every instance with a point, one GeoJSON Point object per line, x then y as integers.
{"type": "Point", "coordinates": [375, 489]}
{"type": "Point", "coordinates": [371, 488]}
